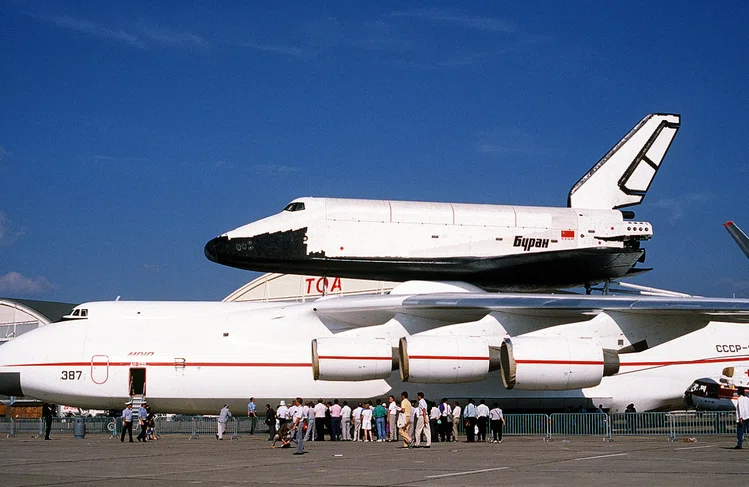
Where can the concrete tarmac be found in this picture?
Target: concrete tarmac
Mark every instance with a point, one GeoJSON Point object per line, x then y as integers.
{"type": "Point", "coordinates": [249, 460]}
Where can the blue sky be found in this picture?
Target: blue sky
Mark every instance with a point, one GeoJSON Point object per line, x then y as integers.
{"type": "Point", "coordinates": [131, 135]}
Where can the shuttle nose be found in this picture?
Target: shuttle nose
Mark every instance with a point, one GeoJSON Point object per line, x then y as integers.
{"type": "Point", "coordinates": [211, 249]}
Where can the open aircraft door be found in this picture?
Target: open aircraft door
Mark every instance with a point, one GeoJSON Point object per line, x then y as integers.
{"type": "Point", "coordinates": [137, 381]}
{"type": "Point", "coordinates": [99, 369]}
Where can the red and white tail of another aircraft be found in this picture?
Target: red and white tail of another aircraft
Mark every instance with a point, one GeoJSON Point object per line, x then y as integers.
{"type": "Point", "coordinates": [447, 339]}
{"type": "Point", "coordinates": [741, 239]}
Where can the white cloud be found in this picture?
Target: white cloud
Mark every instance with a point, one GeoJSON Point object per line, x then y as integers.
{"type": "Point", "coordinates": [92, 29]}
{"type": "Point", "coordinates": [141, 37]}
{"type": "Point", "coordinates": [457, 17]}
{"type": "Point", "coordinates": [164, 35]}
{"type": "Point", "coordinates": [281, 169]}
{"type": "Point", "coordinates": [14, 282]}
{"type": "Point", "coordinates": [3, 226]}
{"type": "Point", "coordinates": [675, 208]}
{"type": "Point", "coordinates": [507, 141]}
{"type": "Point", "coordinates": [116, 159]}
{"type": "Point", "coordinates": [7, 235]}
{"type": "Point", "coordinates": [293, 51]}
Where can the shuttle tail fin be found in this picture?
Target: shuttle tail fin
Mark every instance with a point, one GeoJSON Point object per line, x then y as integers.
{"type": "Point", "coordinates": [739, 236]}
{"type": "Point", "coordinates": [622, 177]}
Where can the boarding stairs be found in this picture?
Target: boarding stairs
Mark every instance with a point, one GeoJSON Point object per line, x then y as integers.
{"type": "Point", "coordinates": [137, 400]}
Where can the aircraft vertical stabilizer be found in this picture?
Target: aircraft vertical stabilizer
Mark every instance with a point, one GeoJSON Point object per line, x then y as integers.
{"type": "Point", "coordinates": [739, 236]}
{"type": "Point", "coordinates": [622, 177]}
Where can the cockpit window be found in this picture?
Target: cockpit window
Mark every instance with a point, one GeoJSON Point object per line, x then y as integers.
{"type": "Point", "coordinates": [297, 206]}
{"type": "Point", "coordinates": [84, 312]}
{"type": "Point", "coordinates": [76, 312]}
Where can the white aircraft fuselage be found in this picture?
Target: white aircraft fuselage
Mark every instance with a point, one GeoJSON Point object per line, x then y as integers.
{"type": "Point", "coordinates": [193, 357]}
{"type": "Point", "coordinates": [492, 246]}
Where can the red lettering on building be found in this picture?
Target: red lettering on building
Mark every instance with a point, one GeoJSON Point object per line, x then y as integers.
{"type": "Point", "coordinates": [336, 285]}
{"type": "Point", "coordinates": [321, 283]}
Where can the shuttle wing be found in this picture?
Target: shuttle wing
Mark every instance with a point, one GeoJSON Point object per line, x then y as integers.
{"type": "Point", "coordinates": [622, 177]}
{"type": "Point", "coordinates": [739, 236]}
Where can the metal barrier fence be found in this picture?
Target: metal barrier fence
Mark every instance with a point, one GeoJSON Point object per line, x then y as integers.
{"type": "Point", "coordinates": [526, 425]}
{"type": "Point", "coordinates": [579, 424]}
{"type": "Point", "coordinates": [641, 424]}
{"type": "Point", "coordinates": [669, 425]}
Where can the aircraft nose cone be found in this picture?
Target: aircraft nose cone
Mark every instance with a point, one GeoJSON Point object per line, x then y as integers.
{"type": "Point", "coordinates": [688, 400]}
{"type": "Point", "coordinates": [211, 249]}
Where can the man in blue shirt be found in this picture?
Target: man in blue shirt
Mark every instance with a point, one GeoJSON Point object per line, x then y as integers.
{"type": "Point", "coordinates": [252, 414]}
{"type": "Point", "coordinates": [127, 421]}
{"type": "Point", "coordinates": [142, 414]}
{"type": "Point", "coordinates": [470, 414]}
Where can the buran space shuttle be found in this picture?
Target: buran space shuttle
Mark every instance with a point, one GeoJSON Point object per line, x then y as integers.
{"type": "Point", "coordinates": [496, 247]}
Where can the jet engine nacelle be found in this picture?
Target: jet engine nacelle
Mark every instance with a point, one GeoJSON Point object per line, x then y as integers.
{"type": "Point", "coordinates": [445, 359]}
{"type": "Point", "coordinates": [558, 363]}
{"type": "Point", "coordinates": [340, 358]}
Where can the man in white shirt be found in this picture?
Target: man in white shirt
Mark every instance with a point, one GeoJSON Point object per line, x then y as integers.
{"type": "Point", "coordinates": [742, 417]}
{"type": "Point", "coordinates": [357, 421]}
{"type": "Point", "coordinates": [310, 411]}
{"type": "Point", "coordinates": [392, 419]}
{"type": "Point", "coordinates": [456, 419]}
{"type": "Point", "coordinates": [290, 413]}
{"type": "Point", "coordinates": [434, 422]}
{"type": "Point", "coordinates": [482, 415]}
{"type": "Point", "coordinates": [297, 425]}
{"type": "Point", "coordinates": [422, 423]}
{"type": "Point", "coordinates": [282, 414]}
{"type": "Point", "coordinates": [346, 421]}
{"type": "Point", "coordinates": [446, 420]}
{"type": "Point", "coordinates": [320, 410]}
{"type": "Point", "coordinates": [497, 421]}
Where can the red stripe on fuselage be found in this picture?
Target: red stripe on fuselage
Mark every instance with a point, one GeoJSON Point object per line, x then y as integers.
{"type": "Point", "coordinates": [560, 362]}
{"type": "Point", "coordinates": [444, 357]}
{"type": "Point", "coordinates": [343, 357]}
{"type": "Point", "coordinates": [162, 364]}
{"type": "Point", "coordinates": [685, 362]}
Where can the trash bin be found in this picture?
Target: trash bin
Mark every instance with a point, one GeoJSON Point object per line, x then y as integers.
{"type": "Point", "coordinates": [79, 427]}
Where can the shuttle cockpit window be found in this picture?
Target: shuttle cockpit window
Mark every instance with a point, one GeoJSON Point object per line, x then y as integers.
{"type": "Point", "coordinates": [297, 206]}
{"type": "Point", "coordinates": [76, 314]}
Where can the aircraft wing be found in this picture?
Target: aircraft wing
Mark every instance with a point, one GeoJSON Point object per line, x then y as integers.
{"type": "Point", "coordinates": [463, 307]}
{"type": "Point", "coordinates": [739, 236]}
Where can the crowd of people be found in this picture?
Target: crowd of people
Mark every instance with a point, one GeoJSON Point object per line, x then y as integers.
{"type": "Point", "coordinates": [416, 423]}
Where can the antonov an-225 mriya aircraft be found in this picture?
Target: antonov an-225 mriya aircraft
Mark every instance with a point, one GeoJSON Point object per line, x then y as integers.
{"type": "Point", "coordinates": [454, 340]}
{"type": "Point", "coordinates": [509, 248]}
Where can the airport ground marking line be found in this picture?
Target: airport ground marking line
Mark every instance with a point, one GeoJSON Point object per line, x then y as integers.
{"type": "Point", "coordinates": [603, 456]}
{"type": "Point", "coordinates": [471, 472]}
{"type": "Point", "coordinates": [694, 447]}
